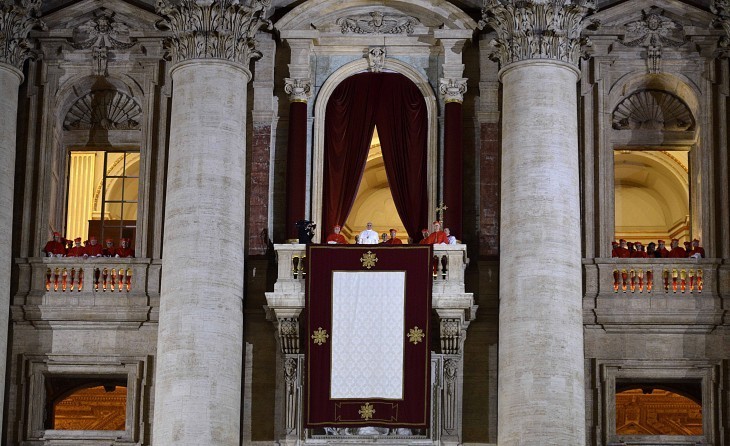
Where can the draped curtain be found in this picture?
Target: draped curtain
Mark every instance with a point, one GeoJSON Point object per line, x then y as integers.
{"type": "Point", "coordinates": [396, 106]}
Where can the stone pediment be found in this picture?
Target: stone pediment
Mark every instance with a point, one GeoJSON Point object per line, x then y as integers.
{"type": "Point", "coordinates": [367, 18]}
{"type": "Point", "coordinates": [618, 20]}
{"type": "Point", "coordinates": [75, 18]}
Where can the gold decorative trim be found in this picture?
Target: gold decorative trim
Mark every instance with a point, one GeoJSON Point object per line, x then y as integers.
{"type": "Point", "coordinates": [368, 260]}
{"type": "Point", "coordinates": [366, 412]}
{"type": "Point", "coordinates": [320, 336]}
{"type": "Point", "coordinates": [415, 335]}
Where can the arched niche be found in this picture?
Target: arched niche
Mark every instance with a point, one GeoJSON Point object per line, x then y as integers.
{"type": "Point", "coordinates": [320, 107]}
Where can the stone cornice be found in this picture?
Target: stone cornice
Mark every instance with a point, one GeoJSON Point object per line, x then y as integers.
{"type": "Point", "coordinates": [218, 29]}
{"type": "Point", "coordinates": [17, 18]}
{"type": "Point", "coordinates": [532, 29]}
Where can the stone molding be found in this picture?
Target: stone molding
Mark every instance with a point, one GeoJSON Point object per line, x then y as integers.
{"type": "Point", "coordinates": [17, 18]}
{"type": "Point", "coordinates": [375, 22]}
{"type": "Point", "coordinates": [721, 8]}
{"type": "Point", "coordinates": [221, 29]}
{"type": "Point", "coordinates": [532, 29]}
{"type": "Point", "coordinates": [654, 31]}
{"type": "Point", "coordinates": [452, 89]}
{"type": "Point", "coordinates": [298, 89]}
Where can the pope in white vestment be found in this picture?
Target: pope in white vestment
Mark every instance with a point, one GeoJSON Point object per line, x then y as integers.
{"type": "Point", "coordinates": [368, 236]}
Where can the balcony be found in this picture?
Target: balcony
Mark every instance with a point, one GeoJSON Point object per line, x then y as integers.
{"type": "Point", "coordinates": [72, 292]}
{"type": "Point", "coordinates": [667, 295]}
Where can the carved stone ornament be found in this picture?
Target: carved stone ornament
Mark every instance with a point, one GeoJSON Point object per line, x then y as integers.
{"type": "Point", "coordinates": [721, 8]}
{"type": "Point", "coordinates": [452, 89]}
{"type": "Point", "coordinates": [17, 18]}
{"type": "Point", "coordinates": [298, 89]}
{"type": "Point", "coordinates": [376, 22]}
{"type": "Point", "coordinates": [654, 32]}
{"type": "Point", "coordinates": [218, 29]}
{"type": "Point", "coordinates": [289, 334]}
{"type": "Point", "coordinates": [653, 110]}
{"type": "Point", "coordinates": [450, 336]}
{"type": "Point", "coordinates": [104, 109]}
{"type": "Point", "coordinates": [532, 29]}
{"type": "Point", "coordinates": [103, 33]}
{"type": "Point", "coordinates": [376, 59]}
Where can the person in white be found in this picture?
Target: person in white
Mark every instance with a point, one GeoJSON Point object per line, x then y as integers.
{"type": "Point", "coordinates": [368, 236]}
{"type": "Point", "coordinates": [450, 238]}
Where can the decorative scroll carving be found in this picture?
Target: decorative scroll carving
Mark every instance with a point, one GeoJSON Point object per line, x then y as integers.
{"type": "Point", "coordinates": [653, 110]}
{"type": "Point", "coordinates": [376, 22]}
{"type": "Point", "coordinates": [532, 29]}
{"type": "Point", "coordinates": [654, 32]}
{"type": "Point", "coordinates": [102, 33]}
{"type": "Point", "coordinates": [298, 89]}
{"type": "Point", "coordinates": [289, 334]}
{"type": "Point", "coordinates": [17, 18]}
{"type": "Point", "coordinates": [290, 382]}
{"type": "Point", "coordinates": [450, 336]}
{"type": "Point", "coordinates": [218, 29]}
{"type": "Point", "coordinates": [721, 8]}
{"type": "Point", "coordinates": [452, 89]}
{"type": "Point", "coordinates": [105, 109]}
{"type": "Point", "coordinates": [376, 59]}
{"type": "Point", "coordinates": [451, 399]}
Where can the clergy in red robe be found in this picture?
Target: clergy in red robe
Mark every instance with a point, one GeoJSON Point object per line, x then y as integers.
{"type": "Point", "coordinates": [94, 249]}
{"type": "Point", "coordinates": [614, 245]}
{"type": "Point", "coordinates": [639, 253]}
{"type": "Point", "coordinates": [109, 250]}
{"type": "Point", "coordinates": [336, 238]}
{"type": "Point", "coordinates": [77, 250]}
{"type": "Point", "coordinates": [622, 252]}
{"type": "Point", "coordinates": [438, 236]}
{"type": "Point", "coordinates": [393, 240]}
{"type": "Point", "coordinates": [124, 249]}
{"type": "Point", "coordinates": [661, 251]}
{"type": "Point", "coordinates": [696, 251]}
{"type": "Point", "coordinates": [424, 236]}
{"type": "Point", "coordinates": [55, 247]}
{"type": "Point", "coordinates": [676, 252]}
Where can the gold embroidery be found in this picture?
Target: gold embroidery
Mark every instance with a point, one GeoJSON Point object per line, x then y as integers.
{"type": "Point", "coordinates": [366, 412]}
{"type": "Point", "coordinates": [415, 335]}
{"type": "Point", "coordinates": [368, 260]}
{"type": "Point", "coordinates": [320, 336]}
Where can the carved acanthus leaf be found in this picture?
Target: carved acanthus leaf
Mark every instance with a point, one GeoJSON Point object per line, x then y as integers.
{"type": "Point", "coordinates": [653, 110]}
{"type": "Point", "coordinates": [17, 18]}
{"type": "Point", "coordinates": [104, 109]}
{"type": "Point", "coordinates": [298, 89]}
{"type": "Point", "coordinates": [377, 22]}
{"type": "Point", "coordinates": [531, 29]}
{"type": "Point", "coordinates": [452, 89]}
{"type": "Point", "coordinates": [654, 32]}
{"type": "Point", "coordinates": [218, 29]}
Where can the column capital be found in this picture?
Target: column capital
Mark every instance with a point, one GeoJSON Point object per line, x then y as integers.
{"type": "Point", "coordinates": [452, 89]}
{"type": "Point", "coordinates": [298, 89]}
{"type": "Point", "coordinates": [17, 18]}
{"type": "Point", "coordinates": [537, 29]}
{"type": "Point", "coordinates": [217, 29]}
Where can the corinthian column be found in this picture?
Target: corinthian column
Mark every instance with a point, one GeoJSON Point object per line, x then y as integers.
{"type": "Point", "coordinates": [16, 21]}
{"type": "Point", "coordinates": [199, 347]}
{"type": "Point", "coordinates": [541, 365]}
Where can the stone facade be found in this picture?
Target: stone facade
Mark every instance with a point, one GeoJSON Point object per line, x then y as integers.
{"type": "Point", "coordinates": [539, 328]}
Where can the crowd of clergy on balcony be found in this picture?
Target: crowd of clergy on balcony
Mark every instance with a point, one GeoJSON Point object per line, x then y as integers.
{"type": "Point", "coordinates": [370, 237]}
{"type": "Point", "coordinates": [59, 246]}
{"type": "Point", "coordinates": [624, 249]}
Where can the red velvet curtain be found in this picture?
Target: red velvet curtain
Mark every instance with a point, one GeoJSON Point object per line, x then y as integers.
{"type": "Point", "coordinates": [396, 106]}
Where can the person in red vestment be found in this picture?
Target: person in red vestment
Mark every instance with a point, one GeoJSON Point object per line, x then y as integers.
{"type": "Point", "coordinates": [94, 249]}
{"type": "Point", "coordinates": [622, 251]}
{"type": "Point", "coordinates": [77, 250]}
{"type": "Point", "coordinates": [661, 251]}
{"type": "Point", "coordinates": [697, 252]}
{"type": "Point", "coordinates": [109, 250]}
{"type": "Point", "coordinates": [393, 240]}
{"type": "Point", "coordinates": [437, 236]}
{"type": "Point", "coordinates": [676, 252]}
{"type": "Point", "coordinates": [639, 253]}
{"type": "Point", "coordinates": [614, 245]}
{"type": "Point", "coordinates": [336, 238]}
{"type": "Point", "coordinates": [424, 236]}
{"type": "Point", "coordinates": [124, 249]}
{"type": "Point", "coordinates": [55, 247]}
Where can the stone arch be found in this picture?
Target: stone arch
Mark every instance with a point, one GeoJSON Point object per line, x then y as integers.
{"type": "Point", "coordinates": [320, 106]}
{"type": "Point", "coordinates": [676, 85]}
{"type": "Point", "coordinates": [78, 86]}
